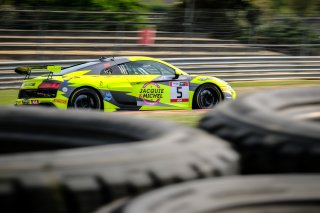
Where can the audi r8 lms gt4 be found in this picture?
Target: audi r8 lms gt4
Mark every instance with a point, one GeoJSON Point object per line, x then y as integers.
{"type": "Point", "coordinates": [121, 83]}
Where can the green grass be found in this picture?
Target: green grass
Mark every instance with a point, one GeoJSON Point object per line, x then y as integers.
{"type": "Point", "coordinates": [273, 83]}
{"type": "Point", "coordinates": [8, 97]}
{"type": "Point", "coordinates": [189, 118]}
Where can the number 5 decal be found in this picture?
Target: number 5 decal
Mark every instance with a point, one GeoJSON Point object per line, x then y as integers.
{"type": "Point", "coordinates": [179, 91]}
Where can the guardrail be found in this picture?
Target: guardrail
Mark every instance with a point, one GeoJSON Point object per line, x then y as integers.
{"type": "Point", "coordinates": [227, 68]}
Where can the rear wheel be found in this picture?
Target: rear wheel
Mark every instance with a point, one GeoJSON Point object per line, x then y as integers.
{"type": "Point", "coordinates": [206, 97]}
{"type": "Point", "coordinates": [85, 98]}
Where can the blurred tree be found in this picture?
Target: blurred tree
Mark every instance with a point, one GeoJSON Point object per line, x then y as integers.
{"type": "Point", "coordinates": [298, 7]}
{"type": "Point", "coordinates": [157, 5]}
{"type": "Point", "coordinates": [290, 30]}
{"type": "Point", "coordinates": [215, 4]}
{"type": "Point", "coordinates": [303, 8]}
{"type": "Point", "coordinates": [119, 5]}
{"type": "Point", "coordinates": [217, 17]}
{"type": "Point", "coordinates": [107, 5]}
{"type": "Point", "coordinates": [253, 15]}
{"type": "Point", "coordinates": [264, 6]}
{"type": "Point", "coordinates": [108, 22]}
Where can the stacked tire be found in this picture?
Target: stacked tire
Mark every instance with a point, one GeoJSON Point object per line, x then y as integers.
{"type": "Point", "coordinates": [243, 194]}
{"type": "Point", "coordinates": [277, 135]}
{"type": "Point", "coordinates": [75, 161]}
{"type": "Point", "coordinates": [274, 132]}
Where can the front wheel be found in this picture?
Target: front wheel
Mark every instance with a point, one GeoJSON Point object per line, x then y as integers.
{"type": "Point", "coordinates": [206, 97]}
{"type": "Point", "coordinates": [85, 98]}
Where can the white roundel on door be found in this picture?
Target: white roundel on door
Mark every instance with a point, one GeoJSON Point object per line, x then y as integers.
{"type": "Point", "coordinates": [179, 91]}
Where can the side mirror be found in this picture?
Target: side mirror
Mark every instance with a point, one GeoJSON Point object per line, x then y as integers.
{"type": "Point", "coordinates": [176, 75]}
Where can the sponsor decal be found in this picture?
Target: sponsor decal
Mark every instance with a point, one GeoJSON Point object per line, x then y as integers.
{"type": "Point", "coordinates": [64, 86]}
{"type": "Point", "coordinates": [108, 96]}
{"type": "Point", "coordinates": [33, 102]}
{"type": "Point", "coordinates": [60, 101]}
{"type": "Point", "coordinates": [179, 83]}
{"type": "Point", "coordinates": [25, 101]}
{"type": "Point", "coordinates": [106, 65]}
{"type": "Point", "coordinates": [179, 91]}
{"type": "Point", "coordinates": [151, 93]}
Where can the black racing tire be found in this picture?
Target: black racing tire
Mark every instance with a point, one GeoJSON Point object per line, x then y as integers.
{"type": "Point", "coordinates": [277, 131]}
{"type": "Point", "coordinates": [145, 154]}
{"type": "Point", "coordinates": [85, 98]}
{"type": "Point", "coordinates": [206, 96]}
{"type": "Point", "coordinates": [242, 194]}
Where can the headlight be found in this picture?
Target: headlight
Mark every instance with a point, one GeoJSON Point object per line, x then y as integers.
{"type": "Point", "coordinates": [229, 87]}
{"type": "Point", "coordinates": [227, 84]}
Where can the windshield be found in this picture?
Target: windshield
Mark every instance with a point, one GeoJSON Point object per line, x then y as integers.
{"type": "Point", "coordinates": [76, 67]}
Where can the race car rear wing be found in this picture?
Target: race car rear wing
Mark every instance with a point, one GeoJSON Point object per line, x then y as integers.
{"type": "Point", "coordinates": [27, 70]}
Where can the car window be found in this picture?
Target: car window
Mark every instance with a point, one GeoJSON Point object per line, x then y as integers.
{"type": "Point", "coordinates": [148, 68]}
{"type": "Point", "coordinates": [96, 69]}
{"type": "Point", "coordinates": [123, 69]}
{"type": "Point", "coordinates": [164, 69]}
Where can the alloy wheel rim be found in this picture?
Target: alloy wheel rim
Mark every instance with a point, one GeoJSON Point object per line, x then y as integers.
{"type": "Point", "coordinates": [85, 102]}
{"type": "Point", "coordinates": [208, 98]}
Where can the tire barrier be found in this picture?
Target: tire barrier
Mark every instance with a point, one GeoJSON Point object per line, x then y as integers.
{"type": "Point", "coordinates": [76, 161]}
{"type": "Point", "coordinates": [254, 194]}
{"type": "Point", "coordinates": [275, 132]}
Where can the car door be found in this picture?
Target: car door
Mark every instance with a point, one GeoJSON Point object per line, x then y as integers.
{"type": "Point", "coordinates": [156, 86]}
{"type": "Point", "coordinates": [116, 87]}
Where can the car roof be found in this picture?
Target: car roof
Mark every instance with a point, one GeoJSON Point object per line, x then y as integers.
{"type": "Point", "coordinates": [114, 60]}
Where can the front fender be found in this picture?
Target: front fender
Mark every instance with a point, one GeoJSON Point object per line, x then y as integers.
{"type": "Point", "coordinates": [227, 90]}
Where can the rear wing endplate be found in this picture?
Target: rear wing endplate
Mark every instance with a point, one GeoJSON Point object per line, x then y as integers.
{"type": "Point", "coordinates": [27, 70]}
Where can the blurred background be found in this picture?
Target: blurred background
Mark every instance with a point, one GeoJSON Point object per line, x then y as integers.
{"type": "Point", "coordinates": [56, 29]}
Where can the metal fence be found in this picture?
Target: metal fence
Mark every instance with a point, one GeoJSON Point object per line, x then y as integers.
{"type": "Point", "coordinates": [227, 68]}
{"type": "Point", "coordinates": [297, 35]}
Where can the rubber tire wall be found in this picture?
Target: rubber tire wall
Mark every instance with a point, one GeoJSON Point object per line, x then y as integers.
{"type": "Point", "coordinates": [254, 194]}
{"type": "Point", "coordinates": [276, 131]}
{"type": "Point", "coordinates": [146, 154]}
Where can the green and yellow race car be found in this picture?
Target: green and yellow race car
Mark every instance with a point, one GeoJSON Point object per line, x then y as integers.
{"type": "Point", "coordinates": [122, 83]}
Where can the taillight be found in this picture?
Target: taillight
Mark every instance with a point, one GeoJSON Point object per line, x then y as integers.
{"type": "Point", "coordinates": [49, 85]}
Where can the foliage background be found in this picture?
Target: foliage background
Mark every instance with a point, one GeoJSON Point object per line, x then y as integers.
{"type": "Point", "coordinates": [288, 22]}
